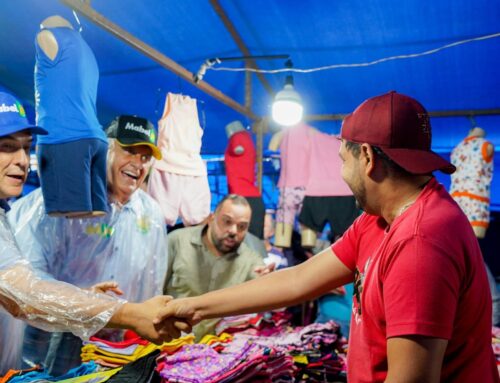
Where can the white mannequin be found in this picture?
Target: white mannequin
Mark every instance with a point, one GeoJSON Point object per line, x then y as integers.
{"type": "Point", "coordinates": [479, 231]}
{"type": "Point", "coordinates": [283, 234]}
{"type": "Point", "coordinates": [234, 127]}
{"type": "Point", "coordinates": [274, 143]}
{"type": "Point", "coordinates": [46, 39]}
{"type": "Point", "coordinates": [283, 231]}
{"type": "Point", "coordinates": [308, 237]}
{"type": "Point", "coordinates": [480, 132]}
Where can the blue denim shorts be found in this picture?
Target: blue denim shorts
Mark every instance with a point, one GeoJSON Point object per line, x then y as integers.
{"type": "Point", "coordinates": [73, 175]}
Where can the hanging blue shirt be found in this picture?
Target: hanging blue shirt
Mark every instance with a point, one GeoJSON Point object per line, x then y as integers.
{"type": "Point", "coordinates": [66, 90]}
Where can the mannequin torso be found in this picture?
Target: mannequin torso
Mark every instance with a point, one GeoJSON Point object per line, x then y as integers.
{"type": "Point", "coordinates": [240, 156]}
{"type": "Point", "coordinates": [231, 129]}
{"type": "Point", "coordinates": [470, 185]}
{"type": "Point", "coordinates": [479, 132]}
{"type": "Point", "coordinates": [66, 69]}
{"type": "Point", "coordinates": [46, 39]}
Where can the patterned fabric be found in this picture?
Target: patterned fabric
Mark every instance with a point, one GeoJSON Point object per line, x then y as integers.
{"type": "Point", "coordinates": [290, 204]}
{"type": "Point", "coordinates": [470, 184]}
{"type": "Point", "coordinates": [478, 212]}
{"type": "Point", "coordinates": [495, 343]}
{"type": "Point", "coordinates": [246, 363]}
{"type": "Point", "coordinates": [199, 363]}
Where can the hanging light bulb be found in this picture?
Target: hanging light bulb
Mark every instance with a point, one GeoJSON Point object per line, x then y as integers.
{"type": "Point", "coordinates": [287, 109]}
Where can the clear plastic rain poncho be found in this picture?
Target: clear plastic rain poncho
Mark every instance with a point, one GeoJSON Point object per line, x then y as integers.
{"type": "Point", "coordinates": [50, 305]}
{"type": "Point", "coordinates": [128, 246]}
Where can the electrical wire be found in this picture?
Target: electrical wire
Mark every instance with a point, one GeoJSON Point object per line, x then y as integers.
{"type": "Point", "coordinates": [355, 65]}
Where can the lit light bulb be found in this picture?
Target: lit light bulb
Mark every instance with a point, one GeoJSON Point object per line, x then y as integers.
{"type": "Point", "coordinates": [287, 113]}
{"type": "Point", "coordinates": [287, 109]}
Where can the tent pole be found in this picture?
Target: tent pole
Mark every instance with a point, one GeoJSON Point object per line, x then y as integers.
{"type": "Point", "coordinates": [248, 90]}
{"type": "Point", "coordinates": [155, 55]}
{"type": "Point", "coordinates": [259, 127]}
{"type": "Point", "coordinates": [240, 43]}
{"type": "Point", "coordinates": [442, 113]}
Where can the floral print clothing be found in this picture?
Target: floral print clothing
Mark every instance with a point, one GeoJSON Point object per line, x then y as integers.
{"type": "Point", "coordinates": [470, 184]}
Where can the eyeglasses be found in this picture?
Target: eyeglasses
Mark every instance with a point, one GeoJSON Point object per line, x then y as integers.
{"type": "Point", "coordinates": [134, 151]}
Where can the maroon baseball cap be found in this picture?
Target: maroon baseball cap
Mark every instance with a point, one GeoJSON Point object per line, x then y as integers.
{"type": "Point", "coordinates": [400, 126]}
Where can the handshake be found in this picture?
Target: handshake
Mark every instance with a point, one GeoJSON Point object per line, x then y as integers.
{"type": "Point", "coordinates": [162, 318]}
{"type": "Point", "coordinates": [159, 319]}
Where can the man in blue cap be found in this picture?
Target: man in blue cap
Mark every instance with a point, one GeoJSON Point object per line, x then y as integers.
{"type": "Point", "coordinates": [16, 133]}
{"type": "Point", "coordinates": [127, 245]}
{"type": "Point", "coordinates": [49, 304]}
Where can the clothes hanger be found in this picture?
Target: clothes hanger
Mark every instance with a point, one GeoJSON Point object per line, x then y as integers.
{"type": "Point", "coordinates": [80, 28]}
{"type": "Point", "coordinates": [472, 121]}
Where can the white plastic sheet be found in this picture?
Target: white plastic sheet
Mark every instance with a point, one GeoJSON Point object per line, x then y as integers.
{"type": "Point", "coordinates": [53, 305]}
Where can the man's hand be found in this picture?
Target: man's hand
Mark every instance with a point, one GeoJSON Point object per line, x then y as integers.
{"type": "Point", "coordinates": [104, 287]}
{"type": "Point", "coordinates": [263, 270]}
{"type": "Point", "coordinates": [140, 316]}
{"type": "Point", "coordinates": [177, 312]}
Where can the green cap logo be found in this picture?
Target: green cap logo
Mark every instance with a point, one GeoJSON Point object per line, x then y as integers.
{"type": "Point", "coordinates": [21, 110]}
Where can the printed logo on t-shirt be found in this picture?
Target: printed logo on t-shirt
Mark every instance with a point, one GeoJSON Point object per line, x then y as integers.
{"type": "Point", "coordinates": [143, 224]}
{"type": "Point", "coordinates": [359, 281]}
{"type": "Point", "coordinates": [101, 229]}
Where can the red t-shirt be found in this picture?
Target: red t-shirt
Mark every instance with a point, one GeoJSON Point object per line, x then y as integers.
{"type": "Point", "coordinates": [240, 168]}
{"type": "Point", "coordinates": [424, 275]}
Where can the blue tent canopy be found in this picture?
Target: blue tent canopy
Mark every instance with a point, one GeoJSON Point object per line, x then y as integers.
{"type": "Point", "coordinates": [314, 33]}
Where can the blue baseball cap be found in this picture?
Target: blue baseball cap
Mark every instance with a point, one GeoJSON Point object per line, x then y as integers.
{"type": "Point", "coordinates": [13, 117]}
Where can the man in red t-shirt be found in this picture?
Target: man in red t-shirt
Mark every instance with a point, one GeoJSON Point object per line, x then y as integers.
{"type": "Point", "coordinates": [422, 307]}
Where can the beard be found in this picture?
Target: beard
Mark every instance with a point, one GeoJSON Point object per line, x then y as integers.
{"type": "Point", "coordinates": [360, 201]}
{"type": "Point", "coordinates": [359, 192]}
{"type": "Point", "coordinates": [223, 247]}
